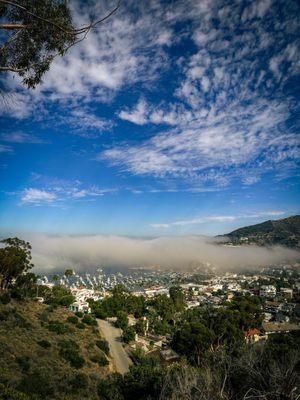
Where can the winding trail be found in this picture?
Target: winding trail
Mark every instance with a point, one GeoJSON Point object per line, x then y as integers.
{"type": "Point", "coordinates": [113, 335]}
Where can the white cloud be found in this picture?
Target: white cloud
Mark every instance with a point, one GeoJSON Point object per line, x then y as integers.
{"type": "Point", "coordinates": [217, 218]}
{"type": "Point", "coordinates": [37, 196]}
{"type": "Point", "coordinates": [138, 115]}
{"type": "Point", "coordinates": [5, 149]}
{"type": "Point", "coordinates": [20, 137]}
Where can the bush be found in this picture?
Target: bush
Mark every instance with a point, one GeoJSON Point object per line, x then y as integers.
{"type": "Point", "coordinates": [80, 325]}
{"type": "Point", "coordinates": [4, 315]}
{"type": "Point", "coordinates": [69, 350]}
{"type": "Point", "coordinates": [89, 320]}
{"type": "Point", "coordinates": [79, 314]}
{"type": "Point", "coordinates": [24, 363]}
{"type": "Point", "coordinates": [5, 298]}
{"type": "Point", "coordinates": [58, 327]}
{"type": "Point", "coordinates": [72, 319]}
{"type": "Point", "coordinates": [99, 359]}
{"type": "Point", "coordinates": [38, 382]}
{"type": "Point", "coordinates": [103, 345]}
{"type": "Point", "coordinates": [20, 321]}
{"type": "Point", "coordinates": [12, 394]}
{"type": "Point", "coordinates": [80, 381]}
{"type": "Point", "coordinates": [128, 334]}
{"type": "Point", "coordinates": [44, 343]}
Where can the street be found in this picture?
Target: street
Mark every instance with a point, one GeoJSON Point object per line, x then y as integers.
{"type": "Point", "coordinates": [113, 335]}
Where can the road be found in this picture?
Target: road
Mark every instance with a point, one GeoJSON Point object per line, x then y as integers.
{"type": "Point", "coordinates": [113, 335]}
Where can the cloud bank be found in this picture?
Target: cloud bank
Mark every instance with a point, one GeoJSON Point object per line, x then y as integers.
{"type": "Point", "coordinates": [87, 252]}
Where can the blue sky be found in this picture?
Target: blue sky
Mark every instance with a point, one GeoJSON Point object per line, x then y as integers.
{"type": "Point", "coordinates": [173, 118]}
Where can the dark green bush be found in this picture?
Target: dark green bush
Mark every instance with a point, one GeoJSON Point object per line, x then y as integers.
{"type": "Point", "coordinates": [24, 363]}
{"type": "Point", "coordinates": [3, 315]}
{"type": "Point", "coordinates": [80, 325]}
{"type": "Point", "coordinates": [99, 359]}
{"type": "Point", "coordinates": [72, 319]}
{"type": "Point", "coordinates": [38, 382]}
{"type": "Point", "coordinates": [80, 381]}
{"type": "Point", "coordinates": [7, 393]}
{"type": "Point", "coordinates": [58, 327]}
{"type": "Point", "coordinates": [89, 320]}
{"type": "Point", "coordinates": [79, 314]}
{"type": "Point", "coordinates": [103, 345]}
{"type": "Point", "coordinates": [5, 298]}
{"type": "Point", "coordinates": [44, 343]}
{"type": "Point", "coordinates": [69, 350]}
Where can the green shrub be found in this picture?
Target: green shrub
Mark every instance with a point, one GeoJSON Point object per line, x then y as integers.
{"type": "Point", "coordinates": [38, 382]}
{"type": "Point", "coordinates": [58, 327]}
{"type": "Point", "coordinates": [7, 393]}
{"type": "Point", "coordinates": [128, 334]}
{"type": "Point", "coordinates": [79, 314]}
{"type": "Point", "coordinates": [4, 315]}
{"type": "Point", "coordinates": [99, 359]}
{"type": "Point", "coordinates": [20, 321]}
{"type": "Point", "coordinates": [103, 345]}
{"type": "Point", "coordinates": [44, 343]}
{"type": "Point", "coordinates": [80, 325]}
{"type": "Point", "coordinates": [72, 319]}
{"type": "Point", "coordinates": [89, 320]}
{"type": "Point", "coordinates": [24, 363]}
{"type": "Point", "coordinates": [80, 381]}
{"type": "Point", "coordinates": [69, 350]}
{"type": "Point", "coordinates": [5, 298]}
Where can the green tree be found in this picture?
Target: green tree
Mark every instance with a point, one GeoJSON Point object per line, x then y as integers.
{"type": "Point", "coordinates": [25, 285]}
{"type": "Point", "coordinates": [69, 272]}
{"type": "Point", "coordinates": [34, 33]}
{"type": "Point", "coordinates": [122, 320]}
{"type": "Point", "coordinates": [128, 334]}
{"type": "Point", "coordinates": [177, 296]}
{"type": "Point", "coordinates": [15, 259]}
{"type": "Point", "coordinates": [193, 339]}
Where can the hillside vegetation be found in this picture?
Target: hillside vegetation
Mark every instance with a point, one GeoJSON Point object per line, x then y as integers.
{"type": "Point", "coordinates": [48, 352]}
{"type": "Point", "coordinates": [284, 232]}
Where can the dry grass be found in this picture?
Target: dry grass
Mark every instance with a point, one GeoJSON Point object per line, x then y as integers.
{"type": "Point", "coordinates": [20, 332]}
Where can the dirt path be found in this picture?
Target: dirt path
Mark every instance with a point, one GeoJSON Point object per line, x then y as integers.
{"type": "Point", "coordinates": [113, 336]}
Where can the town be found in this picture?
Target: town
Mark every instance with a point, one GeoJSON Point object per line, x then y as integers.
{"type": "Point", "coordinates": [277, 287]}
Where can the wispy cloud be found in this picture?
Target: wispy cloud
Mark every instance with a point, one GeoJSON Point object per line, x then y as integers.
{"type": "Point", "coordinates": [37, 196]}
{"type": "Point", "coordinates": [218, 218]}
{"type": "Point", "coordinates": [5, 149]}
{"type": "Point", "coordinates": [20, 137]}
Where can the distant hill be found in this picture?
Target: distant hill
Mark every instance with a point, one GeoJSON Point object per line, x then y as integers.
{"type": "Point", "coordinates": [284, 232]}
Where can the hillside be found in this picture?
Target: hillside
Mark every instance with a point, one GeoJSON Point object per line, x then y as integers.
{"type": "Point", "coordinates": [45, 356]}
{"type": "Point", "coordinates": [284, 232]}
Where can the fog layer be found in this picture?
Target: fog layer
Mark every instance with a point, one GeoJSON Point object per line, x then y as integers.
{"type": "Point", "coordinates": [85, 252]}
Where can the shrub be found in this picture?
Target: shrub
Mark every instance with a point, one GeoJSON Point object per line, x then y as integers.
{"type": "Point", "coordinates": [38, 382]}
{"type": "Point", "coordinates": [24, 363]}
{"type": "Point", "coordinates": [58, 327]}
{"type": "Point", "coordinates": [89, 320]}
{"type": "Point", "coordinates": [20, 321]}
{"type": "Point", "coordinates": [128, 334]}
{"type": "Point", "coordinates": [80, 325]}
{"type": "Point", "coordinates": [99, 359]}
{"type": "Point", "coordinates": [103, 345]}
{"type": "Point", "coordinates": [3, 315]}
{"type": "Point", "coordinates": [69, 350]}
{"type": "Point", "coordinates": [7, 393]}
{"type": "Point", "coordinates": [79, 314]}
{"type": "Point", "coordinates": [44, 343]}
{"type": "Point", "coordinates": [72, 319]}
{"type": "Point", "coordinates": [80, 381]}
{"type": "Point", "coordinates": [5, 298]}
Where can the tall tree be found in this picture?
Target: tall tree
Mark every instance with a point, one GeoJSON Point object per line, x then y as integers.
{"type": "Point", "coordinates": [35, 32]}
{"type": "Point", "coordinates": [15, 259]}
